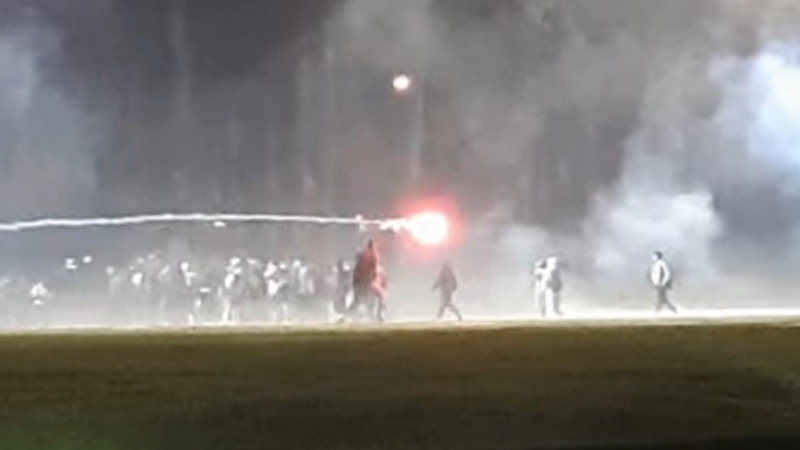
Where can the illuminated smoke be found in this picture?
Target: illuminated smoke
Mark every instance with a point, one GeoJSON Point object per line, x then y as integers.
{"type": "Point", "coordinates": [650, 212]}
{"type": "Point", "coordinates": [763, 107]}
{"type": "Point", "coordinates": [654, 125]}
{"type": "Point", "coordinates": [429, 228]}
{"type": "Point", "coordinates": [666, 125]}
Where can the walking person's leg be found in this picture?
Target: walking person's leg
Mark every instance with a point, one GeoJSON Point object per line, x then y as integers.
{"type": "Point", "coordinates": [455, 310]}
{"type": "Point", "coordinates": [667, 303]}
{"type": "Point", "coordinates": [442, 306]}
{"type": "Point", "coordinates": [557, 303]}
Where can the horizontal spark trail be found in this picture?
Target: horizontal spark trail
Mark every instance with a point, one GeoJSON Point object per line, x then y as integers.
{"type": "Point", "coordinates": [222, 219]}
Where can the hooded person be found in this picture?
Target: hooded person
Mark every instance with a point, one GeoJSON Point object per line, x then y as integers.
{"type": "Point", "coordinates": [447, 284]}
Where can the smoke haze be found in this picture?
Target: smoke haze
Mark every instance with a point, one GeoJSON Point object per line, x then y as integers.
{"type": "Point", "coordinates": [617, 127]}
{"type": "Point", "coordinates": [48, 139]}
{"type": "Point", "coordinates": [609, 128]}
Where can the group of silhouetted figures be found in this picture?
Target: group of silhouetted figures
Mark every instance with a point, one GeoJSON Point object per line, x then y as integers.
{"type": "Point", "coordinates": [366, 287]}
{"type": "Point", "coordinates": [159, 290]}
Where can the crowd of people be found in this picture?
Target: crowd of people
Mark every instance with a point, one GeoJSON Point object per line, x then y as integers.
{"type": "Point", "coordinates": [154, 290]}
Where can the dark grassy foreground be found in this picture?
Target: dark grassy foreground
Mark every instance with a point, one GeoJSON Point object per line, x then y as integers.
{"type": "Point", "coordinates": [447, 389]}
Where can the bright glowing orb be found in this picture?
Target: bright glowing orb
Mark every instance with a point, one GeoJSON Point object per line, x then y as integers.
{"type": "Point", "coordinates": [401, 83]}
{"type": "Point", "coordinates": [428, 228]}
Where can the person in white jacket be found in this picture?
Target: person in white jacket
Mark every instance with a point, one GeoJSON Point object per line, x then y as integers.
{"type": "Point", "coordinates": [551, 287]}
{"type": "Point", "coordinates": [661, 279]}
{"type": "Point", "coordinates": [539, 272]}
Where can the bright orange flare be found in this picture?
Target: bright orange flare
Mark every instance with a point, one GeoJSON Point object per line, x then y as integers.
{"type": "Point", "coordinates": [428, 228]}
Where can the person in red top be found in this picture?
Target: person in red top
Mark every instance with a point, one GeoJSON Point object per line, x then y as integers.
{"type": "Point", "coordinates": [366, 270]}
{"type": "Point", "coordinates": [365, 279]}
{"type": "Point", "coordinates": [447, 284]}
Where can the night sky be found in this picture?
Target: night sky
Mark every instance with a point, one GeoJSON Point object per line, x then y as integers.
{"type": "Point", "coordinates": [191, 102]}
{"type": "Point", "coordinates": [578, 115]}
{"type": "Point", "coordinates": [205, 105]}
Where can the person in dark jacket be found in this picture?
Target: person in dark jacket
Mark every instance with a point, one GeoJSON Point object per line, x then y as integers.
{"type": "Point", "coordinates": [366, 269]}
{"type": "Point", "coordinates": [447, 284]}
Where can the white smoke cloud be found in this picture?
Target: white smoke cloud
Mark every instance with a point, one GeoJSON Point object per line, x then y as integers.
{"type": "Point", "coordinates": [679, 161]}
{"type": "Point", "coordinates": [386, 35]}
{"type": "Point", "coordinates": [18, 77]}
{"type": "Point", "coordinates": [47, 143]}
{"type": "Point", "coordinates": [766, 102]}
{"type": "Point", "coordinates": [709, 93]}
{"type": "Point", "coordinates": [650, 210]}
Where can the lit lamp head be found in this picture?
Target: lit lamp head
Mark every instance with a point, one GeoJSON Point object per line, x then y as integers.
{"type": "Point", "coordinates": [402, 83]}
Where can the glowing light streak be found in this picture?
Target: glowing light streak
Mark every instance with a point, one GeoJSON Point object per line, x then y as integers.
{"type": "Point", "coordinates": [217, 220]}
{"type": "Point", "coordinates": [427, 228]}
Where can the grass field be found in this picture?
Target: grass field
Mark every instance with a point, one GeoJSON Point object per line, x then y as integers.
{"type": "Point", "coordinates": [461, 388]}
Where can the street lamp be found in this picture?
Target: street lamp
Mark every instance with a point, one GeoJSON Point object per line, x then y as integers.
{"type": "Point", "coordinates": [404, 84]}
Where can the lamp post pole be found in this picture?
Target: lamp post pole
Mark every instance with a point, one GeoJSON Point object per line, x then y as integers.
{"type": "Point", "coordinates": [405, 85]}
